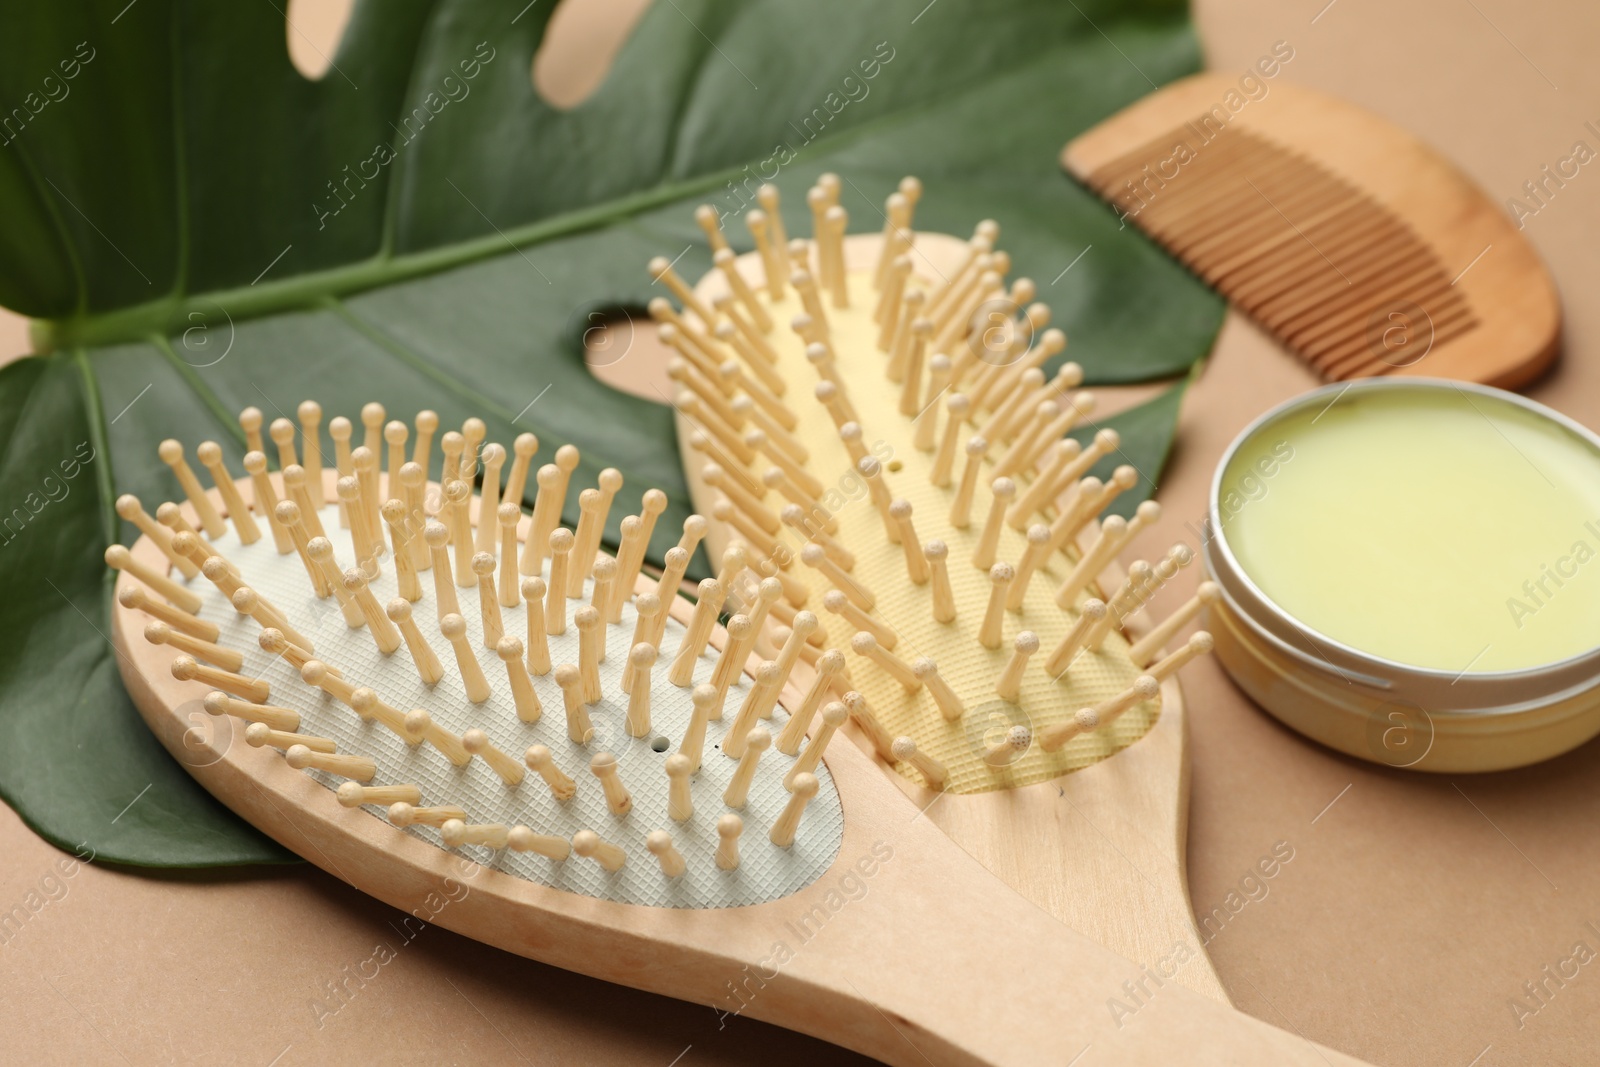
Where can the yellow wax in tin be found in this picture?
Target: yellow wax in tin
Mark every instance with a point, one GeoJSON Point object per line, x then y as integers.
{"type": "Point", "coordinates": [1435, 527]}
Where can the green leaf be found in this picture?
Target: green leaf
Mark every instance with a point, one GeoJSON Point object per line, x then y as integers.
{"type": "Point", "coordinates": [1147, 432]}
{"type": "Point", "coordinates": [200, 228]}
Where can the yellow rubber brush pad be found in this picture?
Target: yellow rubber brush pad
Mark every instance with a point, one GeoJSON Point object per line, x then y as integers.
{"type": "Point", "coordinates": [969, 668]}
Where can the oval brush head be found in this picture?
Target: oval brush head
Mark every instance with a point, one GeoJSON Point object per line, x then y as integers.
{"type": "Point", "coordinates": [882, 435]}
{"type": "Point", "coordinates": [484, 679]}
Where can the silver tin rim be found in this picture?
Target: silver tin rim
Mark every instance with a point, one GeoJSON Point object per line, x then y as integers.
{"type": "Point", "coordinates": [1481, 692]}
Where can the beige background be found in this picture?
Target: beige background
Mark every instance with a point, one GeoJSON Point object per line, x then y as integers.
{"type": "Point", "coordinates": [1414, 907]}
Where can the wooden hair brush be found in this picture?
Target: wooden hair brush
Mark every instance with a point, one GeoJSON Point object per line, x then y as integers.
{"type": "Point", "coordinates": [877, 424]}
{"type": "Point", "coordinates": [459, 709]}
{"type": "Point", "coordinates": [1355, 245]}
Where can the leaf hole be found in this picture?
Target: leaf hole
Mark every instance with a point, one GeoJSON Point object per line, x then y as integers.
{"type": "Point", "coordinates": [580, 43]}
{"type": "Point", "coordinates": [313, 29]}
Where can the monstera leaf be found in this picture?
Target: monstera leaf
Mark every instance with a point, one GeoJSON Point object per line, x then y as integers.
{"type": "Point", "coordinates": [196, 227]}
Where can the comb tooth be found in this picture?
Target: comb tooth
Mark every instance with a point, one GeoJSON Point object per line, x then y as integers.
{"type": "Point", "coordinates": [250, 420]}
{"type": "Point", "coordinates": [591, 650]}
{"type": "Point", "coordinates": [413, 490]}
{"type": "Point", "coordinates": [1144, 688]}
{"type": "Point", "coordinates": [1033, 557]}
{"type": "Point", "coordinates": [533, 593]}
{"type": "Point", "coordinates": [723, 511]}
{"type": "Point", "coordinates": [911, 387]}
{"type": "Point", "coordinates": [436, 535]}
{"type": "Point", "coordinates": [428, 666]}
{"type": "Point", "coordinates": [709, 219]}
{"type": "Point", "coordinates": [1019, 456]}
{"type": "Point", "coordinates": [954, 318]}
{"type": "Point", "coordinates": [802, 630]}
{"type": "Point", "coordinates": [861, 714]}
{"type": "Point", "coordinates": [588, 539]}
{"type": "Point", "coordinates": [405, 569]}
{"type": "Point", "coordinates": [523, 449]}
{"type": "Point", "coordinates": [1113, 536]}
{"type": "Point", "coordinates": [537, 545]}
{"type": "Point", "coordinates": [373, 416]}
{"type": "Point", "coordinates": [838, 407]}
{"type": "Point", "coordinates": [726, 262]}
{"type": "Point", "coordinates": [159, 633]}
{"type": "Point", "coordinates": [572, 682]}
{"type": "Point", "coordinates": [315, 672]}
{"type": "Point", "coordinates": [836, 224]}
{"type": "Point", "coordinates": [509, 515]}
{"type": "Point", "coordinates": [659, 844]}
{"type": "Point", "coordinates": [1091, 498]}
{"type": "Point", "coordinates": [839, 604]}
{"type": "Point", "coordinates": [455, 631]}
{"type": "Point", "coordinates": [284, 719]}
{"type": "Point", "coordinates": [339, 429]}
{"type": "Point", "coordinates": [1000, 380]}
{"type": "Point", "coordinates": [833, 717]}
{"type": "Point", "coordinates": [757, 741]}
{"type": "Point", "coordinates": [913, 307]}
{"type": "Point", "coordinates": [1121, 603]}
{"type": "Point", "coordinates": [1090, 615]}
{"type": "Point", "coordinates": [741, 635]}
{"type": "Point", "coordinates": [274, 642]}
{"type": "Point", "coordinates": [366, 704]}
{"type": "Point", "coordinates": [395, 434]}
{"type": "Point", "coordinates": [796, 518]}
{"type": "Point", "coordinates": [770, 254]}
{"type": "Point", "coordinates": [605, 578]}
{"type": "Point", "coordinates": [933, 772]}
{"type": "Point", "coordinates": [171, 453]}
{"type": "Point", "coordinates": [704, 381]}
{"type": "Point", "coordinates": [829, 666]}
{"type": "Point", "coordinates": [366, 464]}
{"type": "Point", "coordinates": [660, 269]}
{"type": "Point", "coordinates": [523, 695]}
{"type": "Point", "coordinates": [427, 423]}
{"type": "Point", "coordinates": [641, 659]}
{"type": "Point", "coordinates": [984, 234]}
{"type": "Point", "coordinates": [1006, 406]}
{"type": "Point", "coordinates": [603, 765]}
{"type": "Point", "coordinates": [710, 593]}
{"type": "Point", "coordinates": [810, 508]}
{"type": "Point", "coordinates": [1062, 453]}
{"type": "Point", "coordinates": [555, 600]}
{"type": "Point", "coordinates": [1009, 684]}
{"type": "Point", "coordinates": [706, 701]}
{"type": "Point", "coordinates": [1105, 442]}
{"type": "Point", "coordinates": [129, 508]}
{"type": "Point", "coordinates": [488, 601]}
{"type": "Point", "coordinates": [473, 431]}
{"type": "Point", "coordinates": [916, 562]}
{"type": "Point", "coordinates": [247, 601]}
{"type": "Point", "coordinates": [865, 645]}
{"type": "Point", "coordinates": [354, 794]}
{"type": "Point", "coordinates": [186, 669]}
{"type": "Point", "coordinates": [383, 631]}
{"type": "Point", "coordinates": [135, 598]}
{"type": "Point", "coordinates": [804, 787]}
{"type": "Point", "coordinates": [815, 557]}
{"type": "Point", "coordinates": [944, 698]}
{"type": "Point", "coordinates": [729, 827]}
{"type": "Point", "coordinates": [630, 557]}
{"type": "Point", "coordinates": [186, 542]}
{"type": "Point", "coordinates": [817, 200]}
{"type": "Point", "coordinates": [757, 705]}
{"type": "Point", "coordinates": [897, 209]}
{"type": "Point", "coordinates": [890, 296]}
{"type": "Point", "coordinates": [403, 814]}
{"type": "Point", "coordinates": [1008, 749]}
{"type": "Point", "coordinates": [282, 433]}
{"type": "Point", "coordinates": [1200, 642]}
{"type": "Point", "coordinates": [210, 455]}
{"type": "Point", "coordinates": [539, 760]}
{"type": "Point", "coordinates": [259, 735]}
{"type": "Point", "coordinates": [936, 553]}
{"type": "Point", "coordinates": [452, 444]}
{"type": "Point", "coordinates": [420, 727]}
{"type": "Point", "coordinates": [478, 744]}
{"type": "Point", "coordinates": [677, 559]}
{"type": "Point", "coordinates": [760, 441]}
{"type": "Point", "coordinates": [927, 416]}
{"type": "Point", "coordinates": [812, 301]}
{"type": "Point", "coordinates": [1001, 576]}
{"type": "Point", "coordinates": [1001, 491]}
{"type": "Point", "coordinates": [746, 342]}
{"type": "Point", "coordinates": [349, 492]}
{"type": "Point", "coordinates": [709, 422]}
{"type": "Point", "coordinates": [957, 406]}
{"type": "Point", "coordinates": [359, 768]}
{"type": "Point", "coordinates": [522, 839]}
{"type": "Point", "coordinates": [961, 506]}
{"type": "Point", "coordinates": [1144, 650]}
{"type": "Point", "coordinates": [494, 457]}
{"type": "Point", "coordinates": [493, 835]}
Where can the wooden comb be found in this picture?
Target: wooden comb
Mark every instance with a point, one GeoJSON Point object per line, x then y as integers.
{"type": "Point", "coordinates": [876, 424]}
{"type": "Point", "coordinates": [1356, 246]}
{"type": "Point", "coordinates": [438, 725]}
